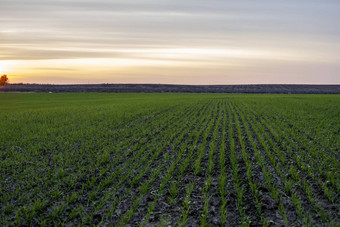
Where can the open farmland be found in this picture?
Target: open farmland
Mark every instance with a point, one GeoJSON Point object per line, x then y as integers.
{"type": "Point", "coordinates": [169, 159]}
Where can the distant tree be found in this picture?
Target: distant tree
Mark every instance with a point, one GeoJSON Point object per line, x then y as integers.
{"type": "Point", "coordinates": [3, 80]}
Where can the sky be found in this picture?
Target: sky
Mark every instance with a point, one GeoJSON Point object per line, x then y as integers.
{"type": "Point", "coordinates": [170, 41]}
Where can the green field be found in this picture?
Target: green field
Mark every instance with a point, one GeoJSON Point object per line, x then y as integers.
{"type": "Point", "coordinates": [169, 159]}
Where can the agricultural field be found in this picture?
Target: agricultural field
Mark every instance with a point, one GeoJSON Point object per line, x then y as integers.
{"type": "Point", "coordinates": [169, 159]}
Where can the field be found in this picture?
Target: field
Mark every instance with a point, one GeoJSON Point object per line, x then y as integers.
{"type": "Point", "coordinates": [169, 159]}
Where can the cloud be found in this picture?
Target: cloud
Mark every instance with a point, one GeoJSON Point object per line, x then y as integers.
{"type": "Point", "coordinates": [192, 32]}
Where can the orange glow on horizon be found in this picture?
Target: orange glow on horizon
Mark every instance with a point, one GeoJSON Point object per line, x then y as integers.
{"type": "Point", "coordinates": [164, 65]}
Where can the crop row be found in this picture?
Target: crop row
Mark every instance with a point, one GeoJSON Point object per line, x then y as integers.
{"type": "Point", "coordinates": [188, 161]}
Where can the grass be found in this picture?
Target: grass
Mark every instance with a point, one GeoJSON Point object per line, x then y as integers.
{"type": "Point", "coordinates": [169, 159]}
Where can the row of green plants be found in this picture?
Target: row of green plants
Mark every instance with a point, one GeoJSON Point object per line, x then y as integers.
{"type": "Point", "coordinates": [292, 174]}
{"type": "Point", "coordinates": [149, 159]}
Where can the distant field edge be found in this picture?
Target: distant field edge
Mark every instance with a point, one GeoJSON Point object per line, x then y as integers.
{"type": "Point", "coordinates": [171, 88]}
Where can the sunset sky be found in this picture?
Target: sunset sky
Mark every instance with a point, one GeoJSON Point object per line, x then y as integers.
{"type": "Point", "coordinates": [170, 41]}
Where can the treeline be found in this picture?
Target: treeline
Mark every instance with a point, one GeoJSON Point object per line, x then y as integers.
{"type": "Point", "coordinates": [165, 88]}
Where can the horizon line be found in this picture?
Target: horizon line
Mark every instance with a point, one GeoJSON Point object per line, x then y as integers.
{"type": "Point", "coordinates": [173, 84]}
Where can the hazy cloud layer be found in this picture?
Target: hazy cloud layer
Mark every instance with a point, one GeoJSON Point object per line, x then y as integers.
{"type": "Point", "coordinates": [192, 41]}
